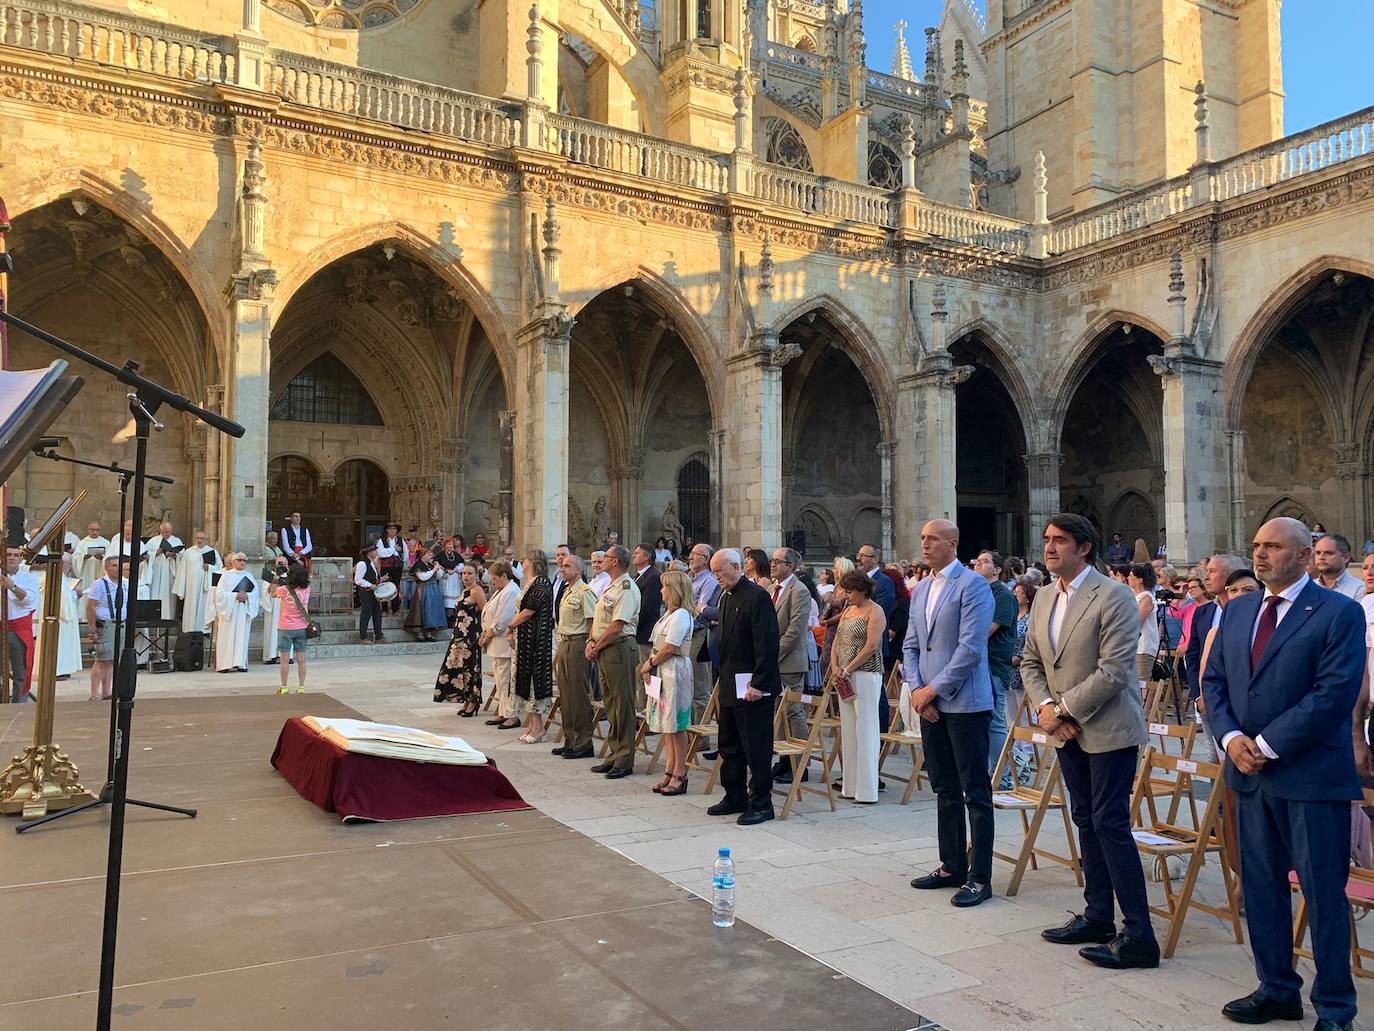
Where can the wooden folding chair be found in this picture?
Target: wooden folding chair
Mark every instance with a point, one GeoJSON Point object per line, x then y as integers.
{"type": "Point", "coordinates": [698, 733]}
{"type": "Point", "coordinates": [1160, 838]}
{"type": "Point", "coordinates": [1359, 893]}
{"type": "Point", "coordinates": [798, 751]}
{"type": "Point", "coordinates": [1032, 801]}
{"type": "Point", "coordinates": [555, 713]}
{"type": "Point", "coordinates": [898, 736]}
{"type": "Point", "coordinates": [1184, 734]}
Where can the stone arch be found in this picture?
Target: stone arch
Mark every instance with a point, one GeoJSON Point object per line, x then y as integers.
{"type": "Point", "coordinates": [605, 31]}
{"type": "Point", "coordinates": [1269, 318]}
{"type": "Point", "coordinates": [995, 340]}
{"type": "Point", "coordinates": [866, 527]}
{"type": "Point", "coordinates": [690, 326]}
{"type": "Point", "coordinates": [858, 342]}
{"type": "Point", "coordinates": [1287, 505]}
{"type": "Point", "coordinates": [824, 517]}
{"type": "Point", "coordinates": [1066, 377]}
{"type": "Point", "coordinates": [1129, 510]}
{"type": "Point", "coordinates": [80, 181]}
{"type": "Point", "coordinates": [439, 258]}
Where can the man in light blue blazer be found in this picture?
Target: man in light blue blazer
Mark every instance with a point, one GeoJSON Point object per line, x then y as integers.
{"type": "Point", "coordinates": [945, 670]}
{"type": "Point", "coordinates": [1281, 680]}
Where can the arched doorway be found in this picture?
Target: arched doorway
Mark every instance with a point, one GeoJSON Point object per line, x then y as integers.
{"type": "Point", "coordinates": [1307, 410]}
{"type": "Point", "coordinates": [694, 499]}
{"type": "Point", "coordinates": [342, 511]}
{"type": "Point", "coordinates": [831, 431]}
{"type": "Point", "coordinates": [96, 280]}
{"type": "Point", "coordinates": [1113, 428]}
{"type": "Point", "coordinates": [991, 482]}
{"type": "Point", "coordinates": [639, 414]}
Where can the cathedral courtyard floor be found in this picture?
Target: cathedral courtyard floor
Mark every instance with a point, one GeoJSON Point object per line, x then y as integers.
{"type": "Point", "coordinates": [265, 912]}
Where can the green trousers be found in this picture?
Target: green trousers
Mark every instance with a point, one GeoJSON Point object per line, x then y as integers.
{"type": "Point", "coordinates": [617, 663]}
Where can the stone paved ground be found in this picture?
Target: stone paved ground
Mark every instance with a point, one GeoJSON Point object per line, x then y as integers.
{"type": "Point", "coordinates": [832, 885]}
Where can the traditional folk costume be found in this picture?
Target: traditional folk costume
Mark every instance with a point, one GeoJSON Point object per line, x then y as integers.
{"type": "Point", "coordinates": [451, 578]}
{"type": "Point", "coordinates": [88, 559]}
{"type": "Point", "coordinates": [22, 650]}
{"type": "Point", "coordinates": [234, 619]}
{"type": "Point", "coordinates": [271, 605]}
{"type": "Point", "coordinates": [192, 584]}
{"type": "Point", "coordinates": [392, 558]}
{"type": "Point", "coordinates": [297, 544]}
{"type": "Point", "coordinates": [426, 613]}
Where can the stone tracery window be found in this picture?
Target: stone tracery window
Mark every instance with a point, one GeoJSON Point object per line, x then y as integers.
{"type": "Point", "coordinates": [326, 391]}
{"type": "Point", "coordinates": [884, 167]}
{"type": "Point", "coordinates": [784, 146]}
{"type": "Point", "coordinates": [341, 14]}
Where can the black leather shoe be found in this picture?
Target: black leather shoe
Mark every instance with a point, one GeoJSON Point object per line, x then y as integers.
{"type": "Point", "coordinates": [971, 894]}
{"type": "Point", "coordinates": [1080, 931]}
{"type": "Point", "coordinates": [586, 753]}
{"type": "Point", "coordinates": [1330, 1025]}
{"type": "Point", "coordinates": [725, 808]}
{"type": "Point", "coordinates": [1257, 1008]}
{"type": "Point", "coordinates": [710, 756]}
{"type": "Point", "coordinates": [940, 878]}
{"type": "Point", "coordinates": [558, 750]}
{"type": "Point", "coordinates": [753, 816]}
{"type": "Point", "coordinates": [1123, 953]}
{"type": "Point", "coordinates": [605, 767]}
{"type": "Point", "coordinates": [616, 772]}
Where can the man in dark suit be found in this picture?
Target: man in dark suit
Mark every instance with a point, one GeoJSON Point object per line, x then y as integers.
{"type": "Point", "coordinates": [1279, 687]}
{"type": "Point", "coordinates": [748, 659]}
{"type": "Point", "coordinates": [885, 595]}
{"type": "Point", "coordinates": [646, 578]}
{"type": "Point", "coordinates": [1206, 616]}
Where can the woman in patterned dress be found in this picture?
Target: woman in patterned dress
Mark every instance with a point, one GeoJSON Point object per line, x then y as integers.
{"type": "Point", "coordinates": [531, 632]}
{"type": "Point", "coordinates": [460, 677]}
{"type": "Point", "coordinates": [670, 661]}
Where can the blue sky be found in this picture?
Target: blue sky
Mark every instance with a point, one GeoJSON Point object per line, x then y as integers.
{"type": "Point", "coordinates": [1324, 52]}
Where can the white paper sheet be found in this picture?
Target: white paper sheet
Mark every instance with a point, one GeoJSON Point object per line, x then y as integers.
{"type": "Point", "coordinates": [742, 682]}
{"type": "Point", "coordinates": [653, 687]}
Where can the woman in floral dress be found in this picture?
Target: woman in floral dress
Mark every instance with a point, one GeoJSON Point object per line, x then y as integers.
{"type": "Point", "coordinates": [670, 660]}
{"type": "Point", "coordinates": [460, 677]}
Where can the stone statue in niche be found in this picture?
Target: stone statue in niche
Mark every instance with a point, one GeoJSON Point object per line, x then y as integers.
{"type": "Point", "coordinates": [601, 523]}
{"type": "Point", "coordinates": [156, 511]}
{"type": "Point", "coordinates": [434, 509]}
{"type": "Point", "coordinates": [579, 533]}
{"type": "Point", "coordinates": [671, 526]}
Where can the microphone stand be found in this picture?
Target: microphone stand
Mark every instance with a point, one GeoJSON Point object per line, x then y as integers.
{"type": "Point", "coordinates": [145, 399]}
{"type": "Point", "coordinates": [106, 794]}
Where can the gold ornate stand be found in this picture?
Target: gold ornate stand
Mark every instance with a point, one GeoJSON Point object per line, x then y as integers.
{"type": "Point", "coordinates": [42, 778]}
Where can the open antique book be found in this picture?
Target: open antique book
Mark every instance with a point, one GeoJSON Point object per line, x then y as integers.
{"type": "Point", "coordinates": [393, 742]}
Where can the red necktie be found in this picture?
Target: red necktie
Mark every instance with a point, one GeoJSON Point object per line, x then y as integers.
{"type": "Point", "coordinates": [1268, 623]}
{"type": "Point", "coordinates": [776, 592]}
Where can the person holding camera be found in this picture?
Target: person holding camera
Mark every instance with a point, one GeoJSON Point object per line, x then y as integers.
{"type": "Point", "coordinates": [292, 591]}
{"type": "Point", "coordinates": [273, 576]}
{"type": "Point", "coordinates": [1141, 581]}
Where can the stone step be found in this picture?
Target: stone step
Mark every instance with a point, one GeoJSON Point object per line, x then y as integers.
{"type": "Point", "coordinates": [349, 635]}
{"type": "Point", "coordinates": [357, 650]}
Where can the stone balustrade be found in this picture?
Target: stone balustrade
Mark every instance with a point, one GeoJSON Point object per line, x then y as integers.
{"type": "Point", "coordinates": [115, 39]}
{"type": "Point", "coordinates": [617, 150]}
{"type": "Point", "coordinates": [802, 60]}
{"type": "Point", "coordinates": [974, 228]}
{"type": "Point", "coordinates": [819, 195]}
{"type": "Point", "coordinates": [1312, 150]}
{"type": "Point", "coordinates": [391, 99]}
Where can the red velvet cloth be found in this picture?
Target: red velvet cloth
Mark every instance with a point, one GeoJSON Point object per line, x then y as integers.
{"type": "Point", "coordinates": [369, 787]}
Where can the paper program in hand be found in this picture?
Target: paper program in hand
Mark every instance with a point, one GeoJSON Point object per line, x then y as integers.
{"type": "Point", "coordinates": [742, 682]}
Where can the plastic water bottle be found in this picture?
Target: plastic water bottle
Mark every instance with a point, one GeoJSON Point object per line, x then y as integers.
{"type": "Point", "coordinates": [723, 890]}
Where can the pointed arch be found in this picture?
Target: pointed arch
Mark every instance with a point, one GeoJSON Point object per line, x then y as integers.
{"type": "Point", "coordinates": [995, 340]}
{"type": "Point", "coordinates": [1260, 328]}
{"type": "Point", "coordinates": [858, 342]}
{"type": "Point", "coordinates": [1287, 505]}
{"type": "Point", "coordinates": [602, 27]}
{"type": "Point", "coordinates": [439, 258]}
{"type": "Point", "coordinates": [81, 181]}
{"type": "Point", "coordinates": [1065, 378]}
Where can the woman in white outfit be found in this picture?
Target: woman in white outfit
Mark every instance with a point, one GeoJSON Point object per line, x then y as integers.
{"type": "Point", "coordinates": [1141, 581]}
{"type": "Point", "coordinates": [857, 655]}
{"type": "Point", "coordinates": [496, 616]}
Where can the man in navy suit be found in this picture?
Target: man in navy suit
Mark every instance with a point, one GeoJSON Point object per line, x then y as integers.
{"type": "Point", "coordinates": [945, 666]}
{"type": "Point", "coordinates": [885, 597]}
{"type": "Point", "coordinates": [1280, 685]}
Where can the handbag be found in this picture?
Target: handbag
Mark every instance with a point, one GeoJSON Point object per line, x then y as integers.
{"type": "Point", "coordinates": [312, 629]}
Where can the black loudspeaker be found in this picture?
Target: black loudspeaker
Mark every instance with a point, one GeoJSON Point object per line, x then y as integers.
{"type": "Point", "coordinates": [189, 654]}
{"type": "Point", "coordinates": [14, 527]}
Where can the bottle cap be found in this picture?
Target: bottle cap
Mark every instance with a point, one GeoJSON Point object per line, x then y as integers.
{"type": "Point", "coordinates": [724, 852]}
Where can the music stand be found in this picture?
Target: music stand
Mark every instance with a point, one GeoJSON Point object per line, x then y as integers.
{"type": "Point", "coordinates": [106, 794]}
{"type": "Point", "coordinates": [145, 399]}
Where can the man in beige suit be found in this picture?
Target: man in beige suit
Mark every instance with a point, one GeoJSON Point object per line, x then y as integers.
{"type": "Point", "coordinates": [1079, 674]}
{"type": "Point", "coordinates": [792, 601]}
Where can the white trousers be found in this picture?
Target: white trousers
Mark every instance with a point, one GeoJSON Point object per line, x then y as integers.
{"type": "Point", "coordinates": [859, 738]}
{"type": "Point", "coordinates": [505, 703]}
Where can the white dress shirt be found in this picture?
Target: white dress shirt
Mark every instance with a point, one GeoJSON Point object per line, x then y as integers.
{"type": "Point", "coordinates": [1063, 598]}
{"type": "Point", "coordinates": [938, 582]}
{"type": "Point", "coordinates": [360, 580]}
{"type": "Point", "coordinates": [599, 583]}
{"type": "Point", "coordinates": [1286, 598]}
{"type": "Point", "coordinates": [27, 582]}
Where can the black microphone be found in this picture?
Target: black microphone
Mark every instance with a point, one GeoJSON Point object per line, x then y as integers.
{"type": "Point", "coordinates": [48, 443]}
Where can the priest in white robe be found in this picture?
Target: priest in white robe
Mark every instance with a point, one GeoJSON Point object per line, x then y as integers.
{"type": "Point", "coordinates": [68, 632]}
{"type": "Point", "coordinates": [273, 576]}
{"type": "Point", "coordinates": [160, 555]}
{"type": "Point", "coordinates": [236, 606]}
{"type": "Point", "coordinates": [88, 557]}
{"type": "Point", "coordinates": [192, 583]}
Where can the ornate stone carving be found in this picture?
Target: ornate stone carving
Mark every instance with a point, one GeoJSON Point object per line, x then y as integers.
{"type": "Point", "coordinates": [957, 374]}
{"type": "Point", "coordinates": [783, 353]}
{"type": "Point", "coordinates": [257, 284]}
{"type": "Point", "coordinates": [1163, 365]}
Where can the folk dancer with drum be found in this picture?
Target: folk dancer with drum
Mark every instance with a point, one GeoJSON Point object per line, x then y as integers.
{"type": "Point", "coordinates": [367, 578]}
{"type": "Point", "coordinates": [393, 557]}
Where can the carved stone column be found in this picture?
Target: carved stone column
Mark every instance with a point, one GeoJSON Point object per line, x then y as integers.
{"type": "Point", "coordinates": [626, 471]}
{"type": "Point", "coordinates": [247, 400]}
{"type": "Point", "coordinates": [541, 434]}
{"type": "Point", "coordinates": [753, 455]}
{"type": "Point", "coordinates": [1354, 477]}
{"type": "Point", "coordinates": [1042, 479]}
{"type": "Point", "coordinates": [1193, 474]}
{"type": "Point", "coordinates": [453, 488]}
{"type": "Point", "coordinates": [1235, 478]}
{"type": "Point", "coordinates": [716, 459]}
{"type": "Point", "coordinates": [925, 449]}
{"type": "Point", "coordinates": [197, 451]}
{"type": "Point", "coordinates": [506, 493]}
{"type": "Point", "coordinates": [886, 451]}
